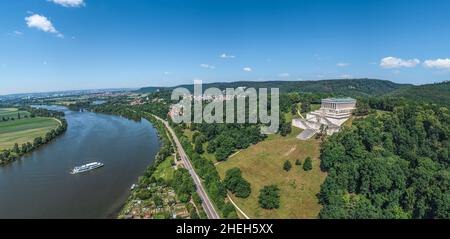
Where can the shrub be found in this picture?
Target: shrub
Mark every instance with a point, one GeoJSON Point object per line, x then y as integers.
{"type": "Point", "coordinates": [228, 210]}
{"type": "Point", "coordinates": [287, 166]}
{"type": "Point", "coordinates": [236, 184]}
{"type": "Point", "coordinates": [307, 166]}
{"type": "Point", "coordinates": [269, 197]}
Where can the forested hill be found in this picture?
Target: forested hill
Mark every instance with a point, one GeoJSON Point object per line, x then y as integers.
{"type": "Point", "coordinates": [438, 93]}
{"type": "Point", "coordinates": [344, 87]}
{"type": "Point", "coordinates": [391, 165]}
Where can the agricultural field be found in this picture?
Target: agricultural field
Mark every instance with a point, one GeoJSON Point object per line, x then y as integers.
{"type": "Point", "coordinates": [262, 164]}
{"type": "Point", "coordinates": [12, 113]}
{"type": "Point", "coordinates": [24, 130]}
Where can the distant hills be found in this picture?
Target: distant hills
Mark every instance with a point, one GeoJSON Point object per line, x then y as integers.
{"type": "Point", "coordinates": [344, 87]}
{"type": "Point", "coordinates": [438, 93]}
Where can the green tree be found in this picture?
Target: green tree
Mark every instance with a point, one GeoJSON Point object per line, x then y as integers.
{"type": "Point", "coordinates": [199, 146]}
{"type": "Point", "coordinates": [306, 107]}
{"type": "Point", "coordinates": [228, 210]}
{"type": "Point", "coordinates": [285, 128]}
{"type": "Point", "coordinates": [287, 166]}
{"type": "Point", "coordinates": [16, 148]}
{"type": "Point", "coordinates": [158, 201]}
{"type": "Point", "coordinates": [183, 184]}
{"type": "Point", "coordinates": [37, 142]}
{"type": "Point", "coordinates": [269, 197]}
{"type": "Point", "coordinates": [307, 166]}
{"type": "Point", "coordinates": [236, 184]}
{"type": "Point", "coordinates": [197, 200]}
{"type": "Point", "coordinates": [362, 108]}
{"type": "Point", "coordinates": [390, 165]}
{"type": "Point", "coordinates": [211, 148]}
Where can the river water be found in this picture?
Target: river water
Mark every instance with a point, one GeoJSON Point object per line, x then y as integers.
{"type": "Point", "coordinates": [40, 185]}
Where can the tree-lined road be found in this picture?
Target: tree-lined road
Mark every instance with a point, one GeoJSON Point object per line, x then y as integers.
{"type": "Point", "coordinates": [210, 211]}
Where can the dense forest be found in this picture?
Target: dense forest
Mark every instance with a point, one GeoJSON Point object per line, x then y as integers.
{"type": "Point", "coordinates": [389, 165]}
{"type": "Point", "coordinates": [438, 93]}
{"type": "Point", "coordinates": [225, 139]}
{"type": "Point", "coordinates": [350, 87]}
{"type": "Point", "coordinates": [117, 109]}
{"type": "Point", "coordinates": [41, 112]}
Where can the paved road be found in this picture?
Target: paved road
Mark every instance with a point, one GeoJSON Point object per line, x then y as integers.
{"type": "Point", "coordinates": [207, 205]}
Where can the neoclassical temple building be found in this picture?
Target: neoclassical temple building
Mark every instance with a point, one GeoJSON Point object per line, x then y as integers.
{"type": "Point", "coordinates": [330, 117]}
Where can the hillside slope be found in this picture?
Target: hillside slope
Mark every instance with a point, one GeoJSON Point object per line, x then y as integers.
{"type": "Point", "coordinates": [438, 93]}
{"type": "Point", "coordinates": [345, 87]}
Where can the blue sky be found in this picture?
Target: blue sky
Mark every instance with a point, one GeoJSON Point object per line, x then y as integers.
{"type": "Point", "coordinates": [48, 45]}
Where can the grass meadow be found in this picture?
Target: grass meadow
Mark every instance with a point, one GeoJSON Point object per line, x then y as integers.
{"type": "Point", "coordinates": [262, 164]}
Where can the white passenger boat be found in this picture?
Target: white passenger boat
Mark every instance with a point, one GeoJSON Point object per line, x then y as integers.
{"type": "Point", "coordinates": [87, 167]}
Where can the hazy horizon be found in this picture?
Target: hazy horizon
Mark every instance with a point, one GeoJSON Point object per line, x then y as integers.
{"type": "Point", "coordinates": [187, 83]}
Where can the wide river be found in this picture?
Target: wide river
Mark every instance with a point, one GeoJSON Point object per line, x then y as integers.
{"type": "Point", "coordinates": [40, 185]}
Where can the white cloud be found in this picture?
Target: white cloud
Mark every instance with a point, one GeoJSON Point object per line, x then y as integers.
{"type": "Point", "coordinates": [284, 75]}
{"type": "Point", "coordinates": [343, 64]}
{"type": "Point", "coordinates": [69, 3]}
{"type": "Point", "coordinates": [42, 23]}
{"type": "Point", "coordinates": [225, 56]}
{"type": "Point", "coordinates": [438, 63]}
{"type": "Point", "coordinates": [393, 62]}
{"type": "Point", "coordinates": [207, 66]}
{"type": "Point", "coordinates": [346, 76]}
{"type": "Point", "coordinates": [247, 69]}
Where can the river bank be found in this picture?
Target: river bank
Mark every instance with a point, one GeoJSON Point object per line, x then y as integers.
{"type": "Point", "coordinates": [41, 186]}
{"type": "Point", "coordinates": [29, 133]}
{"type": "Point", "coordinates": [154, 196]}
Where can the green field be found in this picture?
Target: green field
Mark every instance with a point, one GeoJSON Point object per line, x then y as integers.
{"type": "Point", "coordinates": [165, 170]}
{"type": "Point", "coordinates": [262, 164]}
{"type": "Point", "coordinates": [12, 113]}
{"type": "Point", "coordinates": [3, 110]}
{"type": "Point", "coordinates": [24, 130]}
